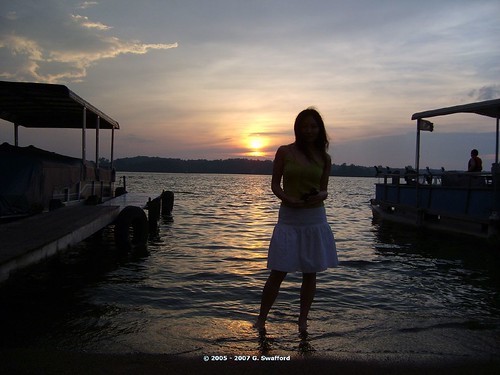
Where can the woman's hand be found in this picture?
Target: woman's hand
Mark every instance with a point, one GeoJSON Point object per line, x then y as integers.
{"type": "Point", "coordinates": [316, 198]}
{"type": "Point", "coordinates": [294, 202]}
{"type": "Point", "coordinates": [307, 201]}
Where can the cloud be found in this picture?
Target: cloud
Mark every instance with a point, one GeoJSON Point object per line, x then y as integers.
{"type": "Point", "coordinates": [59, 46]}
{"type": "Point", "coordinates": [247, 68]}
{"type": "Point", "coordinates": [87, 4]}
{"type": "Point", "coordinates": [486, 93]}
{"type": "Point", "coordinates": [85, 22]}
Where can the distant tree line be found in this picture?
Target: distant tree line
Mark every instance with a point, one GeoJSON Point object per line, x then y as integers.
{"type": "Point", "coordinates": [352, 170]}
{"type": "Point", "coordinates": [230, 166]}
{"type": "Point", "coordinates": [167, 165]}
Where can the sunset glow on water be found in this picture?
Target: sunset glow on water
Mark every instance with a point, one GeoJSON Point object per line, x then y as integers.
{"type": "Point", "coordinates": [196, 290]}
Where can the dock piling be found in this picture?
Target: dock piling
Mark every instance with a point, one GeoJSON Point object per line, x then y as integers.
{"type": "Point", "coordinates": [167, 205]}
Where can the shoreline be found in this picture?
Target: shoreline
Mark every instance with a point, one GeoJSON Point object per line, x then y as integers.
{"type": "Point", "coordinates": [42, 361]}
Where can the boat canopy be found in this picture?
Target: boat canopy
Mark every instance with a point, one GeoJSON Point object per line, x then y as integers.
{"type": "Point", "coordinates": [42, 105]}
{"type": "Point", "coordinates": [490, 108]}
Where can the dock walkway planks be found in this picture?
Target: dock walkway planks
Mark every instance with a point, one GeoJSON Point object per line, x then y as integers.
{"type": "Point", "coordinates": [32, 239]}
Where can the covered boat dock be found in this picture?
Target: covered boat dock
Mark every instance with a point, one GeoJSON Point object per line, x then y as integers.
{"type": "Point", "coordinates": [32, 177]}
{"type": "Point", "coordinates": [460, 202]}
{"type": "Point", "coordinates": [42, 105]}
{"type": "Point", "coordinates": [489, 108]}
{"type": "Point", "coordinates": [29, 237]}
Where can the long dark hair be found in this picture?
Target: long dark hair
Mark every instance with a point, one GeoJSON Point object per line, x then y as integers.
{"type": "Point", "coordinates": [322, 142]}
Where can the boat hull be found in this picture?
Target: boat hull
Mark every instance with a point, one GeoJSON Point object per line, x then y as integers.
{"type": "Point", "coordinates": [468, 209]}
{"type": "Point", "coordinates": [421, 218]}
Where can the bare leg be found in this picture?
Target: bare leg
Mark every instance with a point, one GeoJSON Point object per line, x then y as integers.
{"type": "Point", "coordinates": [269, 294]}
{"type": "Point", "coordinates": [307, 292]}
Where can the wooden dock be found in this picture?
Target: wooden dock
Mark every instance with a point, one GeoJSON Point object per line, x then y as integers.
{"type": "Point", "coordinates": [30, 240]}
{"type": "Point", "coordinates": [38, 237]}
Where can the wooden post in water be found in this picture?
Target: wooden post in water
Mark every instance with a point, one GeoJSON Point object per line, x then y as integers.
{"type": "Point", "coordinates": [153, 207]}
{"type": "Point", "coordinates": [167, 205]}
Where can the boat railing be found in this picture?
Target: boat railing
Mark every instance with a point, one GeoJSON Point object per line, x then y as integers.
{"type": "Point", "coordinates": [434, 179]}
{"type": "Point", "coordinates": [95, 182]}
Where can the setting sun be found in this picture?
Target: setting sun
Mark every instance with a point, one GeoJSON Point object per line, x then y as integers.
{"type": "Point", "coordinates": [256, 144]}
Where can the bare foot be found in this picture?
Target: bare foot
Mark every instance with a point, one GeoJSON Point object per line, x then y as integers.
{"type": "Point", "coordinates": [260, 325]}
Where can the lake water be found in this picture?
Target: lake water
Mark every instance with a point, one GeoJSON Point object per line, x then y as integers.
{"type": "Point", "coordinates": [196, 290]}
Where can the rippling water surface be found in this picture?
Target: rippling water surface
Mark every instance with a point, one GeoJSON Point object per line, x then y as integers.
{"type": "Point", "coordinates": [196, 289]}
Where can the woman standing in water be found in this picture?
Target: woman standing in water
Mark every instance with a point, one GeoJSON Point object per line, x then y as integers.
{"type": "Point", "coordinates": [302, 240]}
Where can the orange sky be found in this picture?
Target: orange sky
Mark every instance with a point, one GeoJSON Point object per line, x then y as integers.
{"type": "Point", "coordinates": [223, 79]}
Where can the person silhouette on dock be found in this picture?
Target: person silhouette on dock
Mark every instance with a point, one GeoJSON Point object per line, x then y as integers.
{"type": "Point", "coordinates": [475, 162]}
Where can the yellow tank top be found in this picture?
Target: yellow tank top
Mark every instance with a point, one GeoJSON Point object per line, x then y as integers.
{"type": "Point", "coordinates": [299, 180]}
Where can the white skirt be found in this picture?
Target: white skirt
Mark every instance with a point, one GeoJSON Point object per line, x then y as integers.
{"type": "Point", "coordinates": [302, 241]}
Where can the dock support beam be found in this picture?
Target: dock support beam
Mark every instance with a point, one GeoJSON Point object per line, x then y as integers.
{"type": "Point", "coordinates": [16, 135]}
{"type": "Point", "coordinates": [97, 126]}
{"type": "Point", "coordinates": [496, 146]}
{"type": "Point", "coordinates": [84, 127]}
{"type": "Point", "coordinates": [112, 147]}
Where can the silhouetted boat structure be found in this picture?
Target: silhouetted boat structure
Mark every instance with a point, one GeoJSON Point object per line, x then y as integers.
{"type": "Point", "coordinates": [49, 201]}
{"type": "Point", "coordinates": [464, 202]}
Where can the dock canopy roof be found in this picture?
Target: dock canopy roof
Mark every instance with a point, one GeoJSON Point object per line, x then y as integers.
{"type": "Point", "coordinates": [42, 105]}
{"type": "Point", "coordinates": [490, 108]}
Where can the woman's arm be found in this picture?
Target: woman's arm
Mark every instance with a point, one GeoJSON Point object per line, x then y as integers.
{"type": "Point", "coordinates": [323, 186]}
{"type": "Point", "coordinates": [326, 173]}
